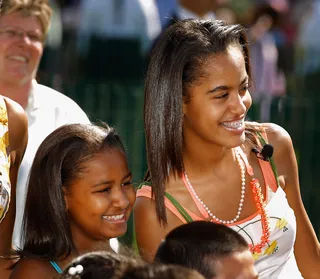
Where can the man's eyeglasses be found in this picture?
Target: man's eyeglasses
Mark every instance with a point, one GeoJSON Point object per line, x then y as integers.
{"type": "Point", "coordinates": [12, 33]}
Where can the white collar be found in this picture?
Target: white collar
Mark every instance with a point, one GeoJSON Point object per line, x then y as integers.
{"type": "Point", "coordinates": [183, 13]}
{"type": "Point", "coordinates": [33, 104]}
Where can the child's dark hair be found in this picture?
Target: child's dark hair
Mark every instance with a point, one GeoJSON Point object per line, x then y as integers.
{"type": "Point", "coordinates": [198, 245]}
{"type": "Point", "coordinates": [59, 160]}
{"type": "Point", "coordinates": [97, 265]}
{"type": "Point", "coordinates": [177, 63]}
{"type": "Point", "coordinates": [156, 271]}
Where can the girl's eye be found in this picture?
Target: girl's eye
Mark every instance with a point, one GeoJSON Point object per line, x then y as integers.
{"type": "Point", "coordinates": [245, 88]}
{"type": "Point", "coordinates": [222, 96]}
{"type": "Point", "coordinates": [104, 190]}
{"type": "Point", "coordinates": [126, 183]}
{"type": "Point", "coordinates": [11, 32]}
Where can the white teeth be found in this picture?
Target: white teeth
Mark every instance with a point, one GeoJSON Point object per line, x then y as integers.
{"type": "Point", "coordinates": [19, 58]}
{"type": "Point", "coordinates": [114, 217]}
{"type": "Point", "coordinates": [234, 125]}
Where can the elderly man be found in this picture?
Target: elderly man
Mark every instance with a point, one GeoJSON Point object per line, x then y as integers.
{"type": "Point", "coordinates": [23, 29]}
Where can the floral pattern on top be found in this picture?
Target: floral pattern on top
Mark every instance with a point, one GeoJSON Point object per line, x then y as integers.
{"type": "Point", "coordinates": [5, 186]}
{"type": "Point", "coordinates": [276, 258]}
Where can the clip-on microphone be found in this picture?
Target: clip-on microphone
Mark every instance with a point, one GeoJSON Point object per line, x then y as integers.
{"type": "Point", "coordinates": [266, 152]}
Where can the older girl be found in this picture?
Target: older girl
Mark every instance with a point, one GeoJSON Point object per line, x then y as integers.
{"type": "Point", "coordinates": [200, 157]}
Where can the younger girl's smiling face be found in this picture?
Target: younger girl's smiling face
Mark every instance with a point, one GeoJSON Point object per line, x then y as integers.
{"type": "Point", "coordinates": [100, 200]}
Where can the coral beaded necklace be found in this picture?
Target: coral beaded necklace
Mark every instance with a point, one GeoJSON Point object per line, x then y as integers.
{"type": "Point", "coordinates": [258, 197]}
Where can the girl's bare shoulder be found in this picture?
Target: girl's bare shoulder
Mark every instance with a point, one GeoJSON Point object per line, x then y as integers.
{"type": "Point", "coordinates": [278, 137]}
{"type": "Point", "coordinates": [33, 268]}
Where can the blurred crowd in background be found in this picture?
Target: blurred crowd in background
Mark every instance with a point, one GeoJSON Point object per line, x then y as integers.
{"type": "Point", "coordinates": [103, 41]}
{"type": "Point", "coordinates": [97, 50]}
{"type": "Point", "coordinates": [108, 40]}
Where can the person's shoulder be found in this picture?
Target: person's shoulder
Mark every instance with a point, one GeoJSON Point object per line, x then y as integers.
{"type": "Point", "coordinates": [145, 204]}
{"type": "Point", "coordinates": [31, 268]}
{"type": "Point", "coordinates": [18, 126]}
{"type": "Point", "coordinates": [46, 93]}
{"type": "Point", "coordinates": [279, 138]}
{"type": "Point", "coordinates": [63, 105]}
{"type": "Point", "coordinates": [14, 110]}
{"type": "Point", "coordinates": [276, 134]}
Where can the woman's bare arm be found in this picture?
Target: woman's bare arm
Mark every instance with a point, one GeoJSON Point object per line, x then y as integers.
{"type": "Point", "coordinates": [18, 137]}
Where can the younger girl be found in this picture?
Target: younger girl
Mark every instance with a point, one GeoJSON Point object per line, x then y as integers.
{"type": "Point", "coordinates": [79, 196]}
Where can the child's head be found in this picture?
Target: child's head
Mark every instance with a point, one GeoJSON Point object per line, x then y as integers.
{"type": "Point", "coordinates": [97, 265]}
{"type": "Point", "coordinates": [101, 265]}
{"type": "Point", "coordinates": [193, 68]}
{"type": "Point", "coordinates": [158, 271]}
{"type": "Point", "coordinates": [79, 191]}
{"type": "Point", "coordinates": [215, 250]}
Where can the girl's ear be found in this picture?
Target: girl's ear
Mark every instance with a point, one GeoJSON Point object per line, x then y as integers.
{"type": "Point", "coordinates": [185, 103]}
{"type": "Point", "coordinates": [184, 108]}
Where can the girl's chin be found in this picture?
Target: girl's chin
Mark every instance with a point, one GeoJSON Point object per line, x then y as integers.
{"type": "Point", "coordinates": [116, 232]}
{"type": "Point", "coordinates": [235, 141]}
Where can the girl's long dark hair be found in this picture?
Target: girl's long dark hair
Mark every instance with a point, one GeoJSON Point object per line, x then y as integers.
{"type": "Point", "coordinates": [174, 65]}
{"type": "Point", "coordinates": [59, 160]}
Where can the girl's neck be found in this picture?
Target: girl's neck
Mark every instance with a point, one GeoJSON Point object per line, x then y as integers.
{"type": "Point", "coordinates": [202, 160]}
{"type": "Point", "coordinates": [85, 248]}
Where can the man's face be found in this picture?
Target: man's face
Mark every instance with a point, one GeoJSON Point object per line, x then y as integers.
{"type": "Point", "coordinates": [21, 48]}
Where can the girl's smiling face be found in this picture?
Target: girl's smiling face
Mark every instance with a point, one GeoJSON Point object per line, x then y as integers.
{"type": "Point", "coordinates": [218, 101]}
{"type": "Point", "coordinates": [100, 200]}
